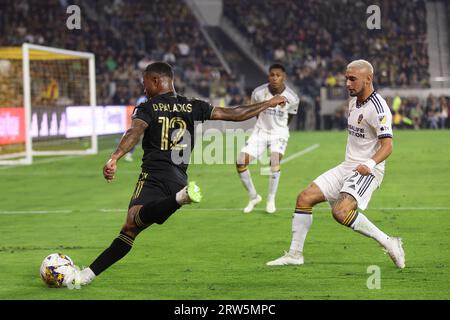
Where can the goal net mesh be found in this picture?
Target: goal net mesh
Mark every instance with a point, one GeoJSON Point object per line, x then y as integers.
{"type": "Point", "coordinates": [59, 96]}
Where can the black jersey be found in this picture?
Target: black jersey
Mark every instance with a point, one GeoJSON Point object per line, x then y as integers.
{"type": "Point", "coordinates": [169, 138]}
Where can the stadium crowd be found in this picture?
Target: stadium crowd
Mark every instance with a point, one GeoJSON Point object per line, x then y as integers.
{"type": "Point", "coordinates": [316, 47]}
{"type": "Point", "coordinates": [124, 41]}
{"type": "Point", "coordinates": [410, 112]}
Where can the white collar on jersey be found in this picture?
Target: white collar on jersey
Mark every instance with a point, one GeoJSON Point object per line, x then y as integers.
{"type": "Point", "coordinates": [359, 105]}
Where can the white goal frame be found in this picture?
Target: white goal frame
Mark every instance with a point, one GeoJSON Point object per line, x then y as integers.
{"type": "Point", "coordinates": [27, 157]}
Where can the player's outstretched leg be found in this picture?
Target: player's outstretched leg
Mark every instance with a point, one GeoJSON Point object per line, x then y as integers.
{"type": "Point", "coordinates": [139, 218]}
{"type": "Point", "coordinates": [244, 174]}
{"type": "Point", "coordinates": [345, 212]}
{"type": "Point", "coordinates": [301, 223]}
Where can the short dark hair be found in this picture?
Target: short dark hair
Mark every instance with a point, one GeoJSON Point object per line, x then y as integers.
{"type": "Point", "coordinates": [161, 68]}
{"type": "Point", "coordinates": [277, 66]}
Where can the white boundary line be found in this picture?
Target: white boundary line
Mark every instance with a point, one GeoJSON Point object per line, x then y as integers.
{"type": "Point", "coordinates": [300, 153]}
{"type": "Point", "coordinates": [117, 210]}
{"type": "Point", "coordinates": [55, 159]}
{"type": "Point", "coordinates": [266, 170]}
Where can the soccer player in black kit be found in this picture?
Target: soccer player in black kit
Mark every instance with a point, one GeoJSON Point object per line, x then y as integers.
{"type": "Point", "coordinates": [167, 121]}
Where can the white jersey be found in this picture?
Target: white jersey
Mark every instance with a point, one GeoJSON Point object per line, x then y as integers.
{"type": "Point", "coordinates": [368, 122]}
{"type": "Point", "coordinates": [275, 120]}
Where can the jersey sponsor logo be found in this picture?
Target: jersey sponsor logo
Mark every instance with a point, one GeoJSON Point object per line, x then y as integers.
{"type": "Point", "coordinates": [274, 112]}
{"type": "Point", "coordinates": [175, 107]}
{"type": "Point", "coordinates": [360, 118]}
{"type": "Point", "coordinates": [356, 131]}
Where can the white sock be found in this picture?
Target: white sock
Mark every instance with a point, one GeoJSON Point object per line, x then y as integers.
{"type": "Point", "coordinates": [273, 184]}
{"type": "Point", "coordinates": [367, 228]}
{"type": "Point", "coordinates": [182, 197]}
{"type": "Point", "coordinates": [246, 179]}
{"type": "Point", "coordinates": [300, 226]}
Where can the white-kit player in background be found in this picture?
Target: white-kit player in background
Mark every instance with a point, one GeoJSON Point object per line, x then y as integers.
{"type": "Point", "coordinates": [271, 132]}
{"type": "Point", "coordinates": [349, 186]}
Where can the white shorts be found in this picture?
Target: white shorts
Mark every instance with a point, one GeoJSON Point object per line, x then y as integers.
{"type": "Point", "coordinates": [343, 179]}
{"type": "Point", "coordinates": [259, 141]}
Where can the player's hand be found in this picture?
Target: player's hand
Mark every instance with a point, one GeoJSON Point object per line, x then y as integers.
{"type": "Point", "coordinates": [109, 170]}
{"type": "Point", "coordinates": [363, 170]}
{"type": "Point", "coordinates": [278, 100]}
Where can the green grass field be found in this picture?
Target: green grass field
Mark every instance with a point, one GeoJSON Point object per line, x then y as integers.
{"type": "Point", "coordinates": [213, 250]}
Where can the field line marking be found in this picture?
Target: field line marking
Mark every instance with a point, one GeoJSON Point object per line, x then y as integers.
{"type": "Point", "coordinates": [53, 159]}
{"type": "Point", "coordinates": [266, 170]}
{"type": "Point", "coordinates": [35, 211]}
{"type": "Point", "coordinates": [300, 153]}
{"type": "Point", "coordinates": [118, 210]}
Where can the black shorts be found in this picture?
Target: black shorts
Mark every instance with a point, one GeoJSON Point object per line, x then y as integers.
{"type": "Point", "coordinates": [155, 185]}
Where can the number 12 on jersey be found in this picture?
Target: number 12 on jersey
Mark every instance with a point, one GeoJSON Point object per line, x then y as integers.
{"type": "Point", "coordinates": [176, 123]}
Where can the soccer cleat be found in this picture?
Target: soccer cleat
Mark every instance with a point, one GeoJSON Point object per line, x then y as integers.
{"type": "Point", "coordinates": [194, 192]}
{"type": "Point", "coordinates": [287, 259]}
{"type": "Point", "coordinates": [79, 278]}
{"type": "Point", "coordinates": [270, 206]}
{"type": "Point", "coordinates": [252, 203]}
{"type": "Point", "coordinates": [72, 279]}
{"type": "Point", "coordinates": [86, 276]}
{"type": "Point", "coordinates": [395, 250]}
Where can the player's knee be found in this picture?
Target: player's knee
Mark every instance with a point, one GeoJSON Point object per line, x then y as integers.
{"type": "Point", "coordinates": [339, 213]}
{"type": "Point", "coordinates": [275, 168]}
{"type": "Point", "coordinates": [131, 229]}
{"type": "Point", "coordinates": [304, 199]}
{"type": "Point", "coordinates": [241, 167]}
{"type": "Point", "coordinates": [345, 215]}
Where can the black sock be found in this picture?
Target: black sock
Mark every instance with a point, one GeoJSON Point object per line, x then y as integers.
{"type": "Point", "coordinates": [116, 251]}
{"type": "Point", "coordinates": [156, 211]}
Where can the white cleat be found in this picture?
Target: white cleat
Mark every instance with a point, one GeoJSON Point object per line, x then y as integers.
{"type": "Point", "coordinates": [395, 250]}
{"type": "Point", "coordinates": [252, 203]}
{"type": "Point", "coordinates": [270, 207]}
{"type": "Point", "coordinates": [79, 278]}
{"type": "Point", "coordinates": [287, 259]}
{"type": "Point", "coordinates": [86, 276]}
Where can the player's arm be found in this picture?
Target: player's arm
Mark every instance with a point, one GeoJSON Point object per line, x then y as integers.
{"type": "Point", "coordinates": [245, 112]}
{"type": "Point", "coordinates": [382, 154]}
{"type": "Point", "coordinates": [128, 141]}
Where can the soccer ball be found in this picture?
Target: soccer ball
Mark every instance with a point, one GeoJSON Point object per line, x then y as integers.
{"type": "Point", "coordinates": [55, 268]}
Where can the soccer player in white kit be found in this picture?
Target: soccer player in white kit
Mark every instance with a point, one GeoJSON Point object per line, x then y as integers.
{"type": "Point", "coordinates": [271, 131]}
{"type": "Point", "coordinates": [349, 186]}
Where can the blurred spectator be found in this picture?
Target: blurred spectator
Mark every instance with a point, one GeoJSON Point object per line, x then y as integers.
{"type": "Point", "coordinates": [432, 119]}
{"type": "Point", "coordinates": [316, 48]}
{"type": "Point", "coordinates": [420, 113]}
{"type": "Point", "coordinates": [330, 81]}
{"type": "Point", "coordinates": [416, 115]}
{"type": "Point", "coordinates": [443, 112]}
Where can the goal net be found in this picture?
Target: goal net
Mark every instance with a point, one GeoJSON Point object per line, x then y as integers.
{"type": "Point", "coordinates": [47, 103]}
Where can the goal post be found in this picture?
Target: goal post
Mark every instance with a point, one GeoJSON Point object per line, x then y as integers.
{"type": "Point", "coordinates": [39, 87]}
